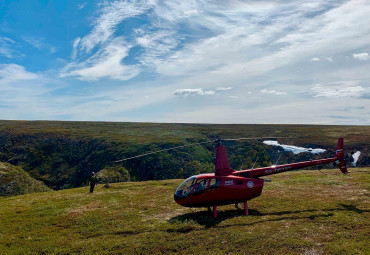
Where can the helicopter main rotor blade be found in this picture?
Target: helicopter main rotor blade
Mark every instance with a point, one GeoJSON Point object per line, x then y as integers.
{"type": "Point", "coordinates": [154, 152]}
{"type": "Point", "coordinates": [182, 146]}
{"type": "Point", "coordinates": [253, 138]}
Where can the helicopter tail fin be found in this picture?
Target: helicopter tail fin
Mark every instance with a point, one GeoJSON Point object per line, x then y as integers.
{"type": "Point", "coordinates": [222, 166]}
{"type": "Point", "coordinates": [340, 157]}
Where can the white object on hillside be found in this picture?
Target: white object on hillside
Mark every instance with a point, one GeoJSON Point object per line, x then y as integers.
{"type": "Point", "coordinates": [355, 156]}
{"type": "Point", "coordinates": [294, 149]}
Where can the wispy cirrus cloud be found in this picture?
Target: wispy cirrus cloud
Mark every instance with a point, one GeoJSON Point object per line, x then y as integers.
{"type": "Point", "coordinates": [193, 92]}
{"type": "Point", "coordinates": [111, 15]}
{"type": "Point", "coordinates": [81, 6]}
{"type": "Point", "coordinates": [40, 44]}
{"type": "Point", "coordinates": [7, 47]}
{"type": "Point", "coordinates": [337, 91]}
{"type": "Point", "coordinates": [302, 33]}
{"type": "Point", "coordinates": [224, 88]}
{"type": "Point", "coordinates": [267, 91]}
{"type": "Point", "coordinates": [105, 63]}
{"type": "Point", "coordinates": [213, 36]}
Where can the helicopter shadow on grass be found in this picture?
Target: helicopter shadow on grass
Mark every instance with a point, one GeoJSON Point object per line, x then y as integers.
{"type": "Point", "coordinates": [206, 219]}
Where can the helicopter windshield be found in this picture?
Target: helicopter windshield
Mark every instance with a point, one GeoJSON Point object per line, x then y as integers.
{"type": "Point", "coordinates": [185, 188]}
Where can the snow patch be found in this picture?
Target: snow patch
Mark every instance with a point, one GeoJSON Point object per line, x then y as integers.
{"type": "Point", "coordinates": [355, 156]}
{"type": "Point", "coordinates": [294, 149]}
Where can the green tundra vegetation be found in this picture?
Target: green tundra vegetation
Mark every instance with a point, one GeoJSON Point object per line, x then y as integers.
{"type": "Point", "coordinates": [113, 174]}
{"type": "Point", "coordinates": [63, 154]}
{"type": "Point", "coordinates": [301, 212]}
{"type": "Point", "coordinates": [15, 181]}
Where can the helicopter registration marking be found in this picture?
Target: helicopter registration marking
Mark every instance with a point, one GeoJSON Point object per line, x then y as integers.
{"type": "Point", "coordinates": [269, 171]}
{"type": "Point", "coordinates": [229, 182]}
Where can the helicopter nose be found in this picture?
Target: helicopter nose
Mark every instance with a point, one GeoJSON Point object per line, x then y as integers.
{"type": "Point", "coordinates": [176, 198]}
{"type": "Point", "coordinates": [179, 199]}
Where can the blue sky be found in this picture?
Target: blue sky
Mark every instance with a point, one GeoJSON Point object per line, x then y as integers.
{"type": "Point", "coordinates": [304, 62]}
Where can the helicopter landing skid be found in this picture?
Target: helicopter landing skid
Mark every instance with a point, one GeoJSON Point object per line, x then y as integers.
{"type": "Point", "coordinates": [236, 205]}
{"type": "Point", "coordinates": [245, 207]}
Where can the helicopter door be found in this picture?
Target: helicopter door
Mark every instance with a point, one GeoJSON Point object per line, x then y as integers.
{"type": "Point", "coordinates": [214, 183]}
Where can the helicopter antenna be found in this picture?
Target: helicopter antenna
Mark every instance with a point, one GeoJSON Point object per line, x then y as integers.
{"type": "Point", "coordinates": [254, 163]}
{"type": "Point", "coordinates": [154, 152]}
{"type": "Point", "coordinates": [277, 159]}
{"type": "Point", "coordinates": [253, 138]}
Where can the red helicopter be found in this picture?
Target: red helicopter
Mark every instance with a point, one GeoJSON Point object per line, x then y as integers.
{"type": "Point", "coordinates": [227, 186]}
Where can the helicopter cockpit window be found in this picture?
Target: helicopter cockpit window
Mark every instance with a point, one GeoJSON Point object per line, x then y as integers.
{"type": "Point", "coordinates": [214, 184]}
{"type": "Point", "coordinates": [186, 187]}
{"type": "Point", "coordinates": [200, 186]}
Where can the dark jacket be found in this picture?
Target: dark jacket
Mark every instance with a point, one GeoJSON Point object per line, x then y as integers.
{"type": "Point", "coordinates": [93, 180]}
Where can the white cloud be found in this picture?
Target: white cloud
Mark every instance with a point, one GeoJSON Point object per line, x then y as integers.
{"type": "Point", "coordinates": [192, 92]}
{"type": "Point", "coordinates": [361, 56]}
{"type": "Point", "coordinates": [267, 91]}
{"type": "Point", "coordinates": [338, 91]}
{"type": "Point", "coordinates": [315, 59]}
{"type": "Point", "coordinates": [11, 73]}
{"type": "Point", "coordinates": [224, 88]}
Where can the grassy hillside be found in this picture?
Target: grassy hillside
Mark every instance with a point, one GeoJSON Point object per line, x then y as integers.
{"type": "Point", "coordinates": [15, 181]}
{"type": "Point", "coordinates": [63, 154]}
{"type": "Point", "coordinates": [304, 212]}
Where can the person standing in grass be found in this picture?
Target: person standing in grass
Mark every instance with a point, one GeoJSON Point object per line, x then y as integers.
{"type": "Point", "coordinates": [92, 181]}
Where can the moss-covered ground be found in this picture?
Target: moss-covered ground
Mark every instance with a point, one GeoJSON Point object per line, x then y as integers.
{"type": "Point", "coordinates": [303, 212]}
